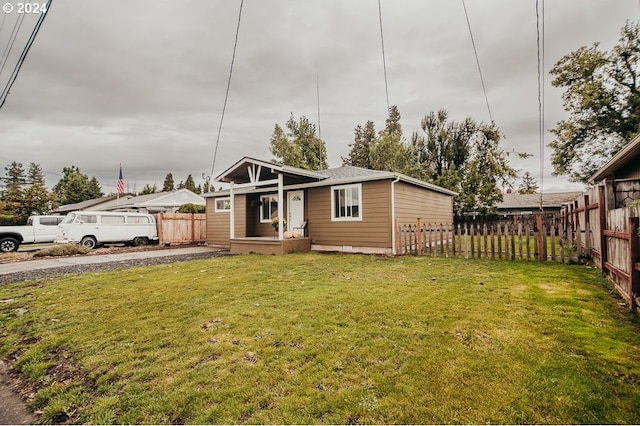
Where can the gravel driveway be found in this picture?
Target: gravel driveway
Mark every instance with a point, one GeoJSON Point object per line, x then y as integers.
{"type": "Point", "coordinates": [60, 271]}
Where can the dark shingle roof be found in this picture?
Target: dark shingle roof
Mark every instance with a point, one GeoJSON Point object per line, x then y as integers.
{"type": "Point", "coordinates": [349, 172]}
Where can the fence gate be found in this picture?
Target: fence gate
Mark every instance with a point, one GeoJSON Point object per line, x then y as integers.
{"type": "Point", "coordinates": [181, 228]}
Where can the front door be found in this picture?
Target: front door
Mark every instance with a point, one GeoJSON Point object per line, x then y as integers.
{"type": "Point", "coordinates": [295, 209]}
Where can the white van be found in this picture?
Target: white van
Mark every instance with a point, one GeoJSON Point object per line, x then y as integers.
{"type": "Point", "coordinates": [94, 228]}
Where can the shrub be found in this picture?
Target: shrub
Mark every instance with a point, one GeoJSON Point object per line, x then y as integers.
{"type": "Point", "coordinates": [11, 220]}
{"type": "Point", "coordinates": [191, 208]}
{"type": "Point", "coordinates": [62, 250]}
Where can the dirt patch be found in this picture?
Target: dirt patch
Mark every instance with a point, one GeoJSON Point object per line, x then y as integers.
{"type": "Point", "coordinates": [13, 409]}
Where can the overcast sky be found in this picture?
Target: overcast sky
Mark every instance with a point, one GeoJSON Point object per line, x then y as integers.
{"type": "Point", "coordinates": [142, 82]}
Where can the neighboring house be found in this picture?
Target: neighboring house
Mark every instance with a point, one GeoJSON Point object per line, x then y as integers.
{"type": "Point", "coordinates": [94, 204]}
{"type": "Point", "coordinates": [529, 204]}
{"type": "Point", "coordinates": [160, 202]}
{"type": "Point", "coordinates": [342, 209]}
{"type": "Point", "coordinates": [621, 176]}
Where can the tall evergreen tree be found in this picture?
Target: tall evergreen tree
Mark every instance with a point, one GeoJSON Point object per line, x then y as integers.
{"type": "Point", "coordinates": [190, 184]}
{"type": "Point", "coordinates": [528, 184]}
{"type": "Point", "coordinates": [13, 193]}
{"type": "Point", "coordinates": [359, 154]}
{"type": "Point", "coordinates": [388, 151]}
{"type": "Point", "coordinates": [75, 187]}
{"type": "Point", "coordinates": [168, 183]}
{"type": "Point", "coordinates": [37, 199]}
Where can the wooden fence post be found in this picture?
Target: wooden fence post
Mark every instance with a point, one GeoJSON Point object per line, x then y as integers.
{"type": "Point", "coordinates": [419, 243]}
{"type": "Point", "coordinates": [539, 238]}
{"type": "Point", "coordinates": [602, 211]}
{"type": "Point", "coordinates": [160, 232]}
{"type": "Point", "coordinates": [587, 233]}
{"type": "Point", "coordinates": [397, 241]}
{"type": "Point", "coordinates": [634, 273]}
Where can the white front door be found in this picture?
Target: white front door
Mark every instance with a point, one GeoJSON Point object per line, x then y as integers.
{"type": "Point", "coordinates": [295, 209]}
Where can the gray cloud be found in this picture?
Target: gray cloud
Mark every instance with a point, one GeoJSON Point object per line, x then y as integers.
{"type": "Point", "coordinates": [142, 82]}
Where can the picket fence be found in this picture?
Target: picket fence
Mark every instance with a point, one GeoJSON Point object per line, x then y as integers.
{"type": "Point", "coordinates": [522, 238]}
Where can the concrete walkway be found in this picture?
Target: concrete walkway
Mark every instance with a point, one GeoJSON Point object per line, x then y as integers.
{"type": "Point", "coordinates": [32, 265]}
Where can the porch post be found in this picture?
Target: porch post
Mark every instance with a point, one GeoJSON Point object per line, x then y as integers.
{"type": "Point", "coordinates": [280, 206]}
{"type": "Point", "coordinates": [232, 213]}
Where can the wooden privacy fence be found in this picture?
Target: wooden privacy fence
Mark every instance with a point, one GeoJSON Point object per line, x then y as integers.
{"type": "Point", "coordinates": [181, 228]}
{"type": "Point", "coordinates": [611, 238]}
{"type": "Point", "coordinates": [535, 238]}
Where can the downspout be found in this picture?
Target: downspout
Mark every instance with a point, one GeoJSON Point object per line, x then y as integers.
{"type": "Point", "coordinates": [232, 213]}
{"type": "Point", "coordinates": [280, 206]}
{"type": "Point", "coordinates": [393, 215]}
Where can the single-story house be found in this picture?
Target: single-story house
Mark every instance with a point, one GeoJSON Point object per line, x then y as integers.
{"type": "Point", "coordinates": [160, 202]}
{"type": "Point", "coordinates": [342, 209]}
{"type": "Point", "coordinates": [621, 176]}
{"type": "Point", "coordinates": [93, 204]}
{"type": "Point", "coordinates": [514, 204]}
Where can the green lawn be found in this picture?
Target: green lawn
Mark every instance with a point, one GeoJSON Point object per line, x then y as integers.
{"type": "Point", "coordinates": [319, 338]}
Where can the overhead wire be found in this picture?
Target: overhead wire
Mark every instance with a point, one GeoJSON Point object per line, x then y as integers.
{"type": "Point", "coordinates": [226, 96]}
{"type": "Point", "coordinates": [384, 61]}
{"type": "Point", "coordinates": [475, 52]}
{"type": "Point", "coordinates": [23, 55]}
{"type": "Point", "coordinates": [540, 51]}
{"type": "Point", "coordinates": [12, 38]}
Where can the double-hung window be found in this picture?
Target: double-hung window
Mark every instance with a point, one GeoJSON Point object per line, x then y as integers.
{"type": "Point", "coordinates": [268, 208]}
{"type": "Point", "coordinates": [223, 204]}
{"type": "Point", "coordinates": [346, 202]}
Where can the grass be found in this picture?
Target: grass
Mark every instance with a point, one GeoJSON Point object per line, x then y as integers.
{"type": "Point", "coordinates": [313, 338]}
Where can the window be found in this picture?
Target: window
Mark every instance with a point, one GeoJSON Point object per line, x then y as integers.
{"type": "Point", "coordinates": [87, 218]}
{"type": "Point", "coordinates": [51, 221]}
{"type": "Point", "coordinates": [346, 202]}
{"type": "Point", "coordinates": [223, 204]}
{"type": "Point", "coordinates": [138, 219]}
{"type": "Point", "coordinates": [268, 208]}
{"type": "Point", "coordinates": [112, 219]}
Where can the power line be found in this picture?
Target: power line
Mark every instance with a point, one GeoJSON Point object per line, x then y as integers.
{"type": "Point", "coordinates": [384, 61]}
{"type": "Point", "coordinates": [318, 97]}
{"type": "Point", "coordinates": [23, 55]}
{"type": "Point", "coordinates": [12, 38]}
{"type": "Point", "coordinates": [475, 52]}
{"type": "Point", "coordinates": [226, 96]}
{"type": "Point", "coordinates": [540, 50]}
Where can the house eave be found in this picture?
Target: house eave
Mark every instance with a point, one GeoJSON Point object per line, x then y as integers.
{"type": "Point", "coordinates": [620, 159]}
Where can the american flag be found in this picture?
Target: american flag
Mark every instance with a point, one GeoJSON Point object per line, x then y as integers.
{"type": "Point", "coordinates": [120, 182]}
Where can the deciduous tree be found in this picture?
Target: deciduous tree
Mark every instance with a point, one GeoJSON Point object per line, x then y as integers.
{"type": "Point", "coordinates": [602, 96]}
{"type": "Point", "coordinates": [299, 147]}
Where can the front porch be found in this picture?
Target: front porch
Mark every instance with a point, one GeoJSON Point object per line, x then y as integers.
{"type": "Point", "coordinates": [269, 245]}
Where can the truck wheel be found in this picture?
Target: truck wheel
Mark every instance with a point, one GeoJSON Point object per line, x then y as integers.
{"type": "Point", "coordinates": [89, 242]}
{"type": "Point", "coordinates": [140, 241]}
{"type": "Point", "coordinates": [8, 244]}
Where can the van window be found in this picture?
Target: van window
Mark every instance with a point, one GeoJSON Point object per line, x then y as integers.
{"type": "Point", "coordinates": [68, 218]}
{"type": "Point", "coordinates": [138, 219]}
{"type": "Point", "coordinates": [88, 218]}
{"type": "Point", "coordinates": [112, 219]}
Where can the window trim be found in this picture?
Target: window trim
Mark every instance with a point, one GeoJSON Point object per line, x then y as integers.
{"type": "Point", "coordinates": [262, 206]}
{"type": "Point", "coordinates": [333, 197]}
{"type": "Point", "coordinates": [215, 205]}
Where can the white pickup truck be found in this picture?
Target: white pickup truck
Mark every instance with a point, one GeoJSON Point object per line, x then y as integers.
{"type": "Point", "coordinates": [39, 229]}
